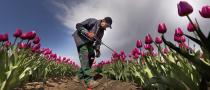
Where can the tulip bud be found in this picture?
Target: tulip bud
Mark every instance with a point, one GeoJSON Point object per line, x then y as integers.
{"type": "Point", "coordinates": [205, 12]}
{"type": "Point", "coordinates": [184, 8]}
{"type": "Point", "coordinates": [177, 38]}
{"type": "Point", "coordinates": [4, 37]}
{"type": "Point", "coordinates": [162, 28]}
{"type": "Point", "coordinates": [158, 40]}
{"type": "Point", "coordinates": [17, 33]}
{"type": "Point", "coordinates": [8, 43]}
{"type": "Point", "coordinates": [138, 44]}
{"type": "Point", "coordinates": [36, 40]}
{"type": "Point", "coordinates": [190, 27]}
{"type": "Point", "coordinates": [178, 32]}
{"type": "Point", "coordinates": [148, 39]}
{"type": "Point", "coordinates": [22, 45]}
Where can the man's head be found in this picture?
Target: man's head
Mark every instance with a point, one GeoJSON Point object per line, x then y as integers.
{"type": "Point", "coordinates": [106, 22]}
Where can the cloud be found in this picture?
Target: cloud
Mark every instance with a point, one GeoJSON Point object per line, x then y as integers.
{"type": "Point", "coordinates": [132, 19]}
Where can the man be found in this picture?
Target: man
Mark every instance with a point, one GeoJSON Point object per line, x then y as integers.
{"type": "Point", "coordinates": [88, 38]}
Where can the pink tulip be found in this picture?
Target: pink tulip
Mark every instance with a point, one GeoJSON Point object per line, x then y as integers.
{"type": "Point", "coordinates": [165, 50]}
{"type": "Point", "coordinates": [17, 33]}
{"type": "Point", "coordinates": [22, 45]}
{"type": "Point", "coordinates": [37, 46]}
{"type": "Point", "coordinates": [183, 45]}
{"type": "Point", "coordinates": [183, 39]}
{"type": "Point", "coordinates": [148, 39]}
{"type": "Point", "coordinates": [138, 44]}
{"type": "Point", "coordinates": [178, 32]}
{"type": "Point", "coordinates": [158, 40]}
{"type": "Point", "coordinates": [190, 27]}
{"type": "Point", "coordinates": [122, 55]}
{"type": "Point", "coordinates": [162, 28]}
{"type": "Point", "coordinates": [177, 38]}
{"type": "Point", "coordinates": [4, 37]}
{"type": "Point", "coordinates": [148, 46]}
{"type": "Point", "coordinates": [184, 8]}
{"type": "Point", "coordinates": [36, 40]}
{"type": "Point", "coordinates": [115, 55]}
{"type": "Point", "coordinates": [28, 35]}
{"type": "Point", "coordinates": [8, 43]}
{"type": "Point", "coordinates": [205, 12]}
{"type": "Point", "coordinates": [143, 54]}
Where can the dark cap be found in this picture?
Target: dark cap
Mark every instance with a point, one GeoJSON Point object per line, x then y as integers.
{"type": "Point", "coordinates": [108, 21]}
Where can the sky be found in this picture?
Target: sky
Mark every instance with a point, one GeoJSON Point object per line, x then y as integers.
{"type": "Point", "coordinates": [54, 21]}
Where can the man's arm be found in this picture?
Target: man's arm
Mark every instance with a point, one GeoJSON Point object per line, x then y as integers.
{"type": "Point", "coordinates": [87, 23]}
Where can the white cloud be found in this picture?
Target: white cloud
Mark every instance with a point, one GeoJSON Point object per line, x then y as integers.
{"type": "Point", "coordinates": [132, 19]}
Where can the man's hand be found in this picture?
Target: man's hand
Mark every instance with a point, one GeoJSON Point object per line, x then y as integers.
{"type": "Point", "coordinates": [90, 35]}
{"type": "Point", "coordinates": [98, 53]}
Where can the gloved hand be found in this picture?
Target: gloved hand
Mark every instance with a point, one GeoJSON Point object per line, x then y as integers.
{"type": "Point", "coordinates": [90, 35]}
{"type": "Point", "coordinates": [98, 53]}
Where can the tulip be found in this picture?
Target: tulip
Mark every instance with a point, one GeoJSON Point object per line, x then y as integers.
{"type": "Point", "coordinates": [177, 38]}
{"type": "Point", "coordinates": [22, 45]}
{"type": "Point", "coordinates": [28, 35]}
{"type": "Point", "coordinates": [138, 44]}
{"type": "Point", "coordinates": [183, 45]}
{"type": "Point", "coordinates": [36, 40]}
{"type": "Point", "coordinates": [178, 32]}
{"type": "Point", "coordinates": [8, 43]}
{"type": "Point", "coordinates": [147, 46]}
{"type": "Point", "coordinates": [122, 55]}
{"type": "Point", "coordinates": [162, 28]}
{"type": "Point", "coordinates": [4, 37]}
{"type": "Point", "coordinates": [158, 40]}
{"type": "Point", "coordinates": [183, 39]}
{"type": "Point", "coordinates": [184, 8]}
{"type": "Point", "coordinates": [148, 39]}
{"type": "Point", "coordinates": [17, 33]}
{"type": "Point", "coordinates": [115, 55]}
{"type": "Point", "coordinates": [143, 54]}
{"type": "Point", "coordinates": [165, 50]}
{"type": "Point", "coordinates": [190, 27]}
{"type": "Point", "coordinates": [37, 46]}
{"type": "Point", "coordinates": [205, 12]}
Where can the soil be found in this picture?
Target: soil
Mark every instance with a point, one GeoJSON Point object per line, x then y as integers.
{"type": "Point", "coordinates": [66, 83]}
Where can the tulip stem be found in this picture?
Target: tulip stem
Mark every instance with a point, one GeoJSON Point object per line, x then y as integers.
{"type": "Point", "coordinates": [14, 42]}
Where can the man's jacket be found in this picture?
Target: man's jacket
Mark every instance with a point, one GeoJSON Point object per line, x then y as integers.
{"type": "Point", "coordinates": [89, 25]}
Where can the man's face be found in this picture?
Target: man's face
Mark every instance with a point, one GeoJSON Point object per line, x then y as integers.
{"type": "Point", "coordinates": [104, 25]}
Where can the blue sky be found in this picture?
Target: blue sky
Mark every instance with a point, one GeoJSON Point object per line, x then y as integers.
{"type": "Point", "coordinates": [54, 20]}
{"type": "Point", "coordinates": [36, 15]}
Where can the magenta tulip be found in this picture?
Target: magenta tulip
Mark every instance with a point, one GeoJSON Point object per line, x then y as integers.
{"type": "Point", "coordinates": [162, 28]}
{"type": "Point", "coordinates": [205, 12]}
{"type": "Point", "coordinates": [184, 8]}
{"type": "Point", "coordinates": [178, 32]}
{"type": "Point", "coordinates": [4, 37]}
{"type": "Point", "coordinates": [148, 39]}
{"type": "Point", "coordinates": [138, 44]}
{"type": "Point", "coordinates": [122, 55]}
{"type": "Point", "coordinates": [36, 40]}
{"type": "Point", "coordinates": [28, 35]}
{"type": "Point", "coordinates": [17, 33]}
{"type": "Point", "coordinates": [177, 38]}
{"type": "Point", "coordinates": [190, 27]}
{"type": "Point", "coordinates": [158, 40]}
{"type": "Point", "coordinates": [22, 45]}
{"type": "Point", "coordinates": [183, 39]}
{"type": "Point", "coordinates": [7, 43]}
{"type": "Point", "coordinates": [165, 50]}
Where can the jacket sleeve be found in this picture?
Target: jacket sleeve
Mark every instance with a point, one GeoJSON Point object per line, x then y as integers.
{"type": "Point", "coordinates": [81, 26]}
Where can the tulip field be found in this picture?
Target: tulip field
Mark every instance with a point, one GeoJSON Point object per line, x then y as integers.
{"type": "Point", "coordinates": [153, 64]}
